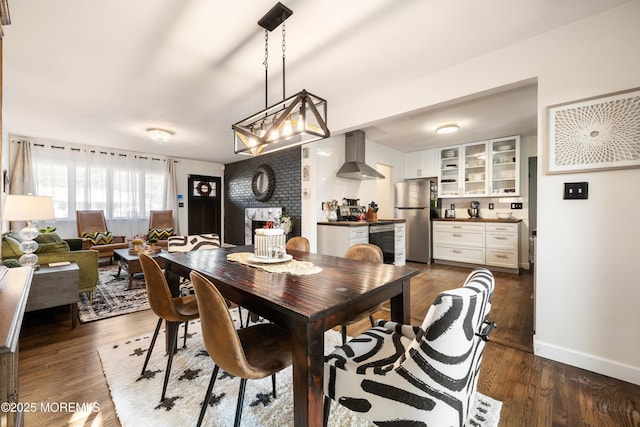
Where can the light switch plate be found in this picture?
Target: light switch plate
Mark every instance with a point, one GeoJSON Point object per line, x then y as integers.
{"type": "Point", "coordinates": [576, 190]}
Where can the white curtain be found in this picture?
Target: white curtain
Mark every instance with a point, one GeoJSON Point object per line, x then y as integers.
{"type": "Point", "coordinates": [124, 185]}
{"type": "Point", "coordinates": [171, 194]}
{"type": "Point", "coordinates": [22, 179]}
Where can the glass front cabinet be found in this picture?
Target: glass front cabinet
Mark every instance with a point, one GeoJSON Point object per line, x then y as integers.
{"type": "Point", "coordinates": [481, 169]}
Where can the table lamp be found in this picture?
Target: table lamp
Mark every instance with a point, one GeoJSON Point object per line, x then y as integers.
{"type": "Point", "coordinates": [31, 209]}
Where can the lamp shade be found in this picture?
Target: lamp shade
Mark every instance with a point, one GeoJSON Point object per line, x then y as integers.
{"type": "Point", "coordinates": [27, 208]}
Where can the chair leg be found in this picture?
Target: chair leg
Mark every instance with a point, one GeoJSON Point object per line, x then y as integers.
{"type": "Point", "coordinates": [174, 325]}
{"type": "Point", "coordinates": [243, 385]}
{"type": "Point", "coordinates": [240, 316]}
{"type": "Point", "coordinates": [91, 298]}
{"type": "Point", "coordinates": [373, 323]}
{"type": "Point", "coordinates": [248, 317]}
{"type": "Point", "coordinates": [153, 342]}
{"type": "Point", "coordinates": [184, 343]}
{"type": "Point", "coordinates": [325, 411]}
{"type": "Point", "coordinates": [273, 384]}
{"type": "Point", "coordinates": [212, 381]}
{"type": "Point", "coordinates": [344, 333]}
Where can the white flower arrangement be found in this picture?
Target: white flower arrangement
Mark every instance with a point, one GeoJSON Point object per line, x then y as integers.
{"type": "Point", "coordinates": [285, 223]}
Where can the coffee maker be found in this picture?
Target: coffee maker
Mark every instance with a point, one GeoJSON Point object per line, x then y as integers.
{"type": "Point", "coordinates": [474, 211]}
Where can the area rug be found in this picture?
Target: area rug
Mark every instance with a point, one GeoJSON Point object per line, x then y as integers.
{"type": "Point", "coordinates": [111, 297]}
{"type": "Point", "coordinates": [137, 399]}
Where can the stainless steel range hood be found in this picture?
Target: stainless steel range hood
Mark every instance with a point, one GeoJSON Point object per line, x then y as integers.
{"type": "Point", "coordinates": [354, 166]}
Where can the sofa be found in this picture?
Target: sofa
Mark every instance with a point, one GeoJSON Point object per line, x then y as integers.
{"type": "Point", "coordinates": [52, 248]}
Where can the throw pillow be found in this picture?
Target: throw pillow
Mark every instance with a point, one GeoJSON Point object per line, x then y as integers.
{"type": "Point", "coordinates": [99, 237]}
{"type": "Point", "coordinates": [12, 248]}
{"type": "Point", "coordinates": [160, 233]}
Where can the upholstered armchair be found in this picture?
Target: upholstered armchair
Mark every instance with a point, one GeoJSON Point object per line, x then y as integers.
{"type": "Point", "coordinates": [425, 375]}
{"type": "Point", "coordinates": [93, 226]}
{"type": "Point", "coordinates": [161, 226]}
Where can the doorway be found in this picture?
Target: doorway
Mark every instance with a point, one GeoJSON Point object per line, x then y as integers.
{"type": "Point", "coordinates": [205, 204]}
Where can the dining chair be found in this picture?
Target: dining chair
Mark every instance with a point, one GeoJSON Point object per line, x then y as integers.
{"type": "Point", "coordinates": [161, 226]}
{"type": "Point", "coordinates": [174, 310]}
{"type": "Point", "coordinates": [409, 375]}
{"type": "Point", "coordinates": [298, 243]}
{"type": "Point", "coordinates": [92, 225]}
{"type": "Point", "coordinates": [370, 253]}
{"type": "Point", "coordinates": [254, 352]}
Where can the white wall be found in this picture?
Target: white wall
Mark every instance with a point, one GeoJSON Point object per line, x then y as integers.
{"type": "Point", "coordinates": [588, 291]}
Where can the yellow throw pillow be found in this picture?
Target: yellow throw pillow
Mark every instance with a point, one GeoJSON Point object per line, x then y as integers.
{"type": "Point", "coordinates": [99, 237]}
{"type": "Point", "coordinates": [160, 233]}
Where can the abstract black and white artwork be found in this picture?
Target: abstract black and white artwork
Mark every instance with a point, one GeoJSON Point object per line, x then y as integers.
{"type": "Point", "coordinates": [595, 134]}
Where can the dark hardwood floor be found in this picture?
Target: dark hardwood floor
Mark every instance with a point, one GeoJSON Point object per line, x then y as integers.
{"type": "Point", "coordinates": [60, 364]}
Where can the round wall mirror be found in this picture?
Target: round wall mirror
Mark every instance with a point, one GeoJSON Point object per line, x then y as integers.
{"type": "Point", "coordinates": [263, 183]}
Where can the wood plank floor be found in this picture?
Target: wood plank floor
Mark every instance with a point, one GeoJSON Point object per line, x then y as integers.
{"type": "Point", "coordinates": [59, 364]}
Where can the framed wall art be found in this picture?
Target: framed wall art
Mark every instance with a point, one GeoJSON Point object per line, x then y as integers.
{"type": "Point", "coordinates": [599, 133]}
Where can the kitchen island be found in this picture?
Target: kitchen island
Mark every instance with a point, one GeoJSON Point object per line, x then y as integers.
{"type": "Point", "coordinates": [478, 241]}
{"type": "Point", "coordinates": [334, 238]}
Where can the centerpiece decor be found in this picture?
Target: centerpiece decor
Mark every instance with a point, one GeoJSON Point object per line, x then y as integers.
{"type": "Point", "coordinates": [269, 242]}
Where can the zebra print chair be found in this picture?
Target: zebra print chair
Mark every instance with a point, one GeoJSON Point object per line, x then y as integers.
{"type": "Point", "coordinates": [395, 374]}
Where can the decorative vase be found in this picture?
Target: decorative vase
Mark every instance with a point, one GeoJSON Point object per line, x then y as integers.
{"type": "Point", "coordinates": [332, 216]}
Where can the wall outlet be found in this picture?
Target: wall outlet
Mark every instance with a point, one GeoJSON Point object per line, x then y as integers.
{"type": "Point", "coordinates": [516, 205]}
{"type": "Point", "coordinates": [490, 206]}
{"type": "Point", "coordinates": [576, 190]}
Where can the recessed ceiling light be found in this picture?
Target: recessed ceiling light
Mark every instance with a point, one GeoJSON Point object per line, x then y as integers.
{"type": "Point", "coordinates": [448, 129]}
{"type": "Point", "coordinates": [160, 135]}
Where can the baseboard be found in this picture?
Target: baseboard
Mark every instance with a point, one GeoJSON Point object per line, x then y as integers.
{"type": "Point", "coordinates": [610, 368]}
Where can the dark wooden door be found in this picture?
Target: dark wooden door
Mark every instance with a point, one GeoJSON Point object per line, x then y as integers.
{"type": "Point", "coordinates": [205, 204]}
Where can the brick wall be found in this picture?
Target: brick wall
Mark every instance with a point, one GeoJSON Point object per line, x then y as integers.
{"type": "Point", "coordinates": [286, 167]}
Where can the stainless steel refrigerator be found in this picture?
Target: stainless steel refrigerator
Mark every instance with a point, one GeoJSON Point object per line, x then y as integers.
{"type": "Point", "coordinates": [417, 202]}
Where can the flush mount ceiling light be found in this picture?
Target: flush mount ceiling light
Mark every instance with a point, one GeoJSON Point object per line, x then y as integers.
{"type": "Point", "coordinates": [296, 120]}
{"type": "Point", "coordinates": [450, 128]}
{"type": "Point", "coordinates": [160, 135]}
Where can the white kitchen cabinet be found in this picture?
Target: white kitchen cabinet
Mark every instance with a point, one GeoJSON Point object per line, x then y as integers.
{"type": "Point", "coordinates": [480, 169]}
{"type": "Point", "coordinates": [504, 172]}
{"type": "Point", "coordinates": [336, 239]}
{"type": "Point", "coordinates": [502, 245]}
{"type": "Point", "coordinates": [459, 241]}
{"type": "Point", "coordinates": [495, 244]}
{"type": "Point", "coordinates": [421, 164]}
{"type": "Point", "coordinates": [399, 244]}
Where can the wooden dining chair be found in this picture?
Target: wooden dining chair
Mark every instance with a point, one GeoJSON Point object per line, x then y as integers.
{"type": "Point", "coordinates": [395, 374]}
{"type": "Point", "coordinates": [174, 310]}
{"type": "Point", "coordinates": [369, 253]}
{"type": "Point", "coordinates": [254, 352]}
{"type": "Point", "coordinates": [298, 243]}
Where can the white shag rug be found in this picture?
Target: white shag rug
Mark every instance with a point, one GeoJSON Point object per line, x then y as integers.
{"type": "Point", "coordinates": [137, 399]}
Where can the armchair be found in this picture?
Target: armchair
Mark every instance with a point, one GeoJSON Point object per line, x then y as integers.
{"type": "Point", "coordinates": [92, 225]}
{"type": "Point", "coordinates": [161, 226]}
{"type": "Point", "coordinates": [411, 375]}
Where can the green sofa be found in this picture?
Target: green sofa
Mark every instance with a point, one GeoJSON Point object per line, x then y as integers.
{"type": "Point", "coordinates": [52, 248]}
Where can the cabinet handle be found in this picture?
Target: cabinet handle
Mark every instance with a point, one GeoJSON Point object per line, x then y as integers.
{"type": "Point", "coordinates": [456, 251]}
{"type": "Point", "coordinates": [500, 238]}
{"type": "Point", "coordinates": [502, 256]}
{"type": "Point", "coordinates": [501, 228]}
{"type": "Point", "coordinates": [456, 226]}
{"type": "Point", "coordinates": [457, 235]}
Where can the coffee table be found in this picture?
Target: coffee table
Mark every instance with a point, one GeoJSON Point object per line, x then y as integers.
{"type": "Point", "coordinates": [131, 263]}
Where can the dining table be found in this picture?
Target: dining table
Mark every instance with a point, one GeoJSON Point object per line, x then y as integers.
{"type": "Point", "coordinates": [305, 304]}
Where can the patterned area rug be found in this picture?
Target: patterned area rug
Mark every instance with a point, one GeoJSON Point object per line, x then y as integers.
{"type": "Point", "coordinates": [137, 399]}
{"type": "Point", "coordinates": [111, 297]}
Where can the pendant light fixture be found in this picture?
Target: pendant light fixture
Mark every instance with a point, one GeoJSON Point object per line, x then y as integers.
{"type": "Point", "coordinates": [296, 120]}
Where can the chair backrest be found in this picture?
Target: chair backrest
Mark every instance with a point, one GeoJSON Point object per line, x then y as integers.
{"type": "Point", "coordinates": [218, 331]}
{"type": "Point", "coordinates": [91, 222]}
{"type": "Point", "coordinates": [193, 242]}
{"type": "Point", "coordinates": [161, 219]}
{"type": "Point", "coordinates": [298, 243]}
{"type": "Point", "coordinates": [449, 342]}
{"type": "Point", "coordinates": [365, 252]}
{"type": "Point", "coordinates": [158, 293]}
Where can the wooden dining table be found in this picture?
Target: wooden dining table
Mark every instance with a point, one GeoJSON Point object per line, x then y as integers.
{"type": "Point", "coordinates": [307, 305]}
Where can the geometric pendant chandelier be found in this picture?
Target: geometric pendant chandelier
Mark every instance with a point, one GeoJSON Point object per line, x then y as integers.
{"type": "Point", "coordinates": [296, 120]}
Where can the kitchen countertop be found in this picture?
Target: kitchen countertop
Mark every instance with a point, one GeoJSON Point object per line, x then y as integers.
{"type": "Point", "coordinates": [358, 223]}
{"type": "Point", "coordinates": [511, 220]}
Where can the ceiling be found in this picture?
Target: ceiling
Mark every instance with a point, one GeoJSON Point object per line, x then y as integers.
{"type": "Point", "coordinates": [101, 72]}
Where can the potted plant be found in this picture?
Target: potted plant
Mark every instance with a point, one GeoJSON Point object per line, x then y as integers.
{"type": "Point", "coordinates": [137, 244]}
{"type": "Point", "coordinates": [153, 243]}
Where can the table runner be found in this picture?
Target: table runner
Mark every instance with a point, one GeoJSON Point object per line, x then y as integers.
{"type": "Point", "coordinates": [292, 266]}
